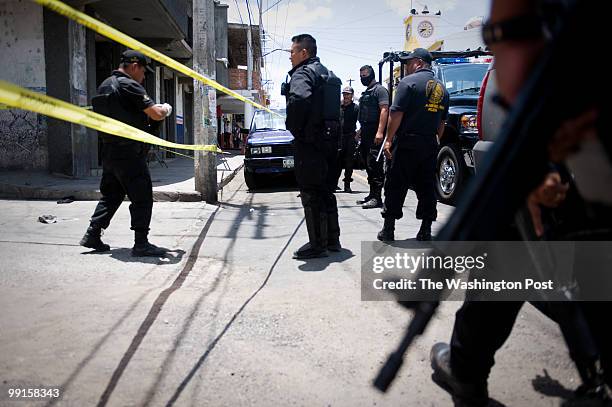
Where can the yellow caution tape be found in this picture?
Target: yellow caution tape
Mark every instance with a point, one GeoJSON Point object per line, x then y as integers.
{"type": "Point", "coordinates": [20, 98]}
{"type": "Point", "coordinates": [118, 36]}
{"type": "Point", "coordinates": [179, 154]}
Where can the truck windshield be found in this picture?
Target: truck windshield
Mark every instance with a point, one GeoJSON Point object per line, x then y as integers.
{"type": "Point", "coordinates": [263, 121]}
{"type": "Point", "coordinates": [464, 78]}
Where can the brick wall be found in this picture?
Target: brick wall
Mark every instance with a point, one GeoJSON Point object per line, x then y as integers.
{"type": "Point", "coordinates": [238, 79]}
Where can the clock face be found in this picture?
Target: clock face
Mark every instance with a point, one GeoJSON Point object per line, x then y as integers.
{"type": "Point", "coordinates": [408, 31]}
{"type": "Point", "coordinates": [425, 29]}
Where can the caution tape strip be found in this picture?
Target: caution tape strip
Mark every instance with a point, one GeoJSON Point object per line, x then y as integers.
{"type": "Point", "coordinates": [118, 36]}
{"type": "Point", "coordinates": [20, 98]}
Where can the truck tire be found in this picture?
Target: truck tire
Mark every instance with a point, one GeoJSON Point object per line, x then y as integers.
{"type": "Point", "coordinates": [251, 179]}
{"type": "Point", "coordinates": [450, 172]}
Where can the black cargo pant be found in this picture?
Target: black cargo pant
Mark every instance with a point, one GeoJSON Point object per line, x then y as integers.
{"type": "Point", "coordinates": [481, 328]}
{"type": "Point", "coordinates": [315, 172]}
{"type": "Point", "coordinates": [413, 167]}
{"type": "Point", "coordinates": [369, 153]}
{"type": "Point", "coordinates": [121, 177]}
{"type": "Point", "coordinates": [345, 158]}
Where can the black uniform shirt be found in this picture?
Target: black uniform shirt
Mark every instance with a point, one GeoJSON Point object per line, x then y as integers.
{"type": "Point", "coordinates": [304, 101]}
{"type": "Point", "coordinates": [369, 104]}
{"type": "Point", "coordinates": [424, 101]}
{"type": "Point", "coordinates": [349, 114]}
{"type": "Point", "coordinates": [128, 107]}
{"type": "Point", "coordinates": [132, 93]}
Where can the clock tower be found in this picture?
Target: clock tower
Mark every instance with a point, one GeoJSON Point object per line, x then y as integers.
{"type": "Point", "coordinates": [420, 29]}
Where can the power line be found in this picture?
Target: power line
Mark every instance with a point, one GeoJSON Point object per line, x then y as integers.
{"type": "Point", "coordinates": [249, 11]}
{"type": "Point", "coordinates": [271, 6]}
{"type": "Point", "coordinates": [285, 27]}
{"type": "Point", "coordinates": [239, 13]}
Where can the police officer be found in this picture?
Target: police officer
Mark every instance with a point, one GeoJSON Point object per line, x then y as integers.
{"type": "Point", "coordinates": [316, 147]}
{"type": "Point", "coordinates": [125, 171]}
{"type": "Point", "coordinates": [373, 114]}
{"type": "Point", "coordinates": [348, 120]}
{"type": "Point", "coordinates": [418, 113]}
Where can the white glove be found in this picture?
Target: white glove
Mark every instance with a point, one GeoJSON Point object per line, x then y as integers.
{"type": "Point", "coordinates": [167, 108]}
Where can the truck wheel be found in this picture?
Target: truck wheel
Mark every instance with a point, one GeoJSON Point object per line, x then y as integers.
{"type": "Point", "coordinates": [450, 171]}
{"type": "Point", "coordinates": [251, 179]}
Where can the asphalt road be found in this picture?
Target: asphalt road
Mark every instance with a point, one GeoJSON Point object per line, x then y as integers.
{"type": "Point", "coordinates": [229, 318]}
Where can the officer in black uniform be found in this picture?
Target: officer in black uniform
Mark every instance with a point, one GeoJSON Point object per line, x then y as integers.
{"type": "Point", "coordinates": [373, 114]}
{"type": "Point", "coordinates": [316, 147]}
{"type": "Point", "coordinates": [124, 161]}
{"type": "Point", "coordinates": [348, 121]}
{"type": "Point", "coordinates": [418, 113]}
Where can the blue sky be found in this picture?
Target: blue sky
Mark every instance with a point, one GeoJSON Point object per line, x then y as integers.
{"type": "Point", "coordinates": [349, 33]}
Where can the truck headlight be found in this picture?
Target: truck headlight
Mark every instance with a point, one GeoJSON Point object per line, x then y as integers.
{"type": "Point", "coordinates": [266, 150]}
{"type": "Point", "coordinates": [469, 123]}
{"type": "Point", "coordinates": [255, 150]}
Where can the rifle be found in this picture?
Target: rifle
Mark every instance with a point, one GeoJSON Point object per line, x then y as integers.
{"type": "Point", "coordinates": [518, 160]}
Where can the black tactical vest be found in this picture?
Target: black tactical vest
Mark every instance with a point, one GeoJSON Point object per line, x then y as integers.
{"type": "Point", "coordinates": [369, 110]}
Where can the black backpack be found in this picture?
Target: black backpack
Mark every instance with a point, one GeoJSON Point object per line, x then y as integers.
{"type": "Point", "coordinates": [331, 90]}
{"type": "Point", "coordinates": [332, 86]}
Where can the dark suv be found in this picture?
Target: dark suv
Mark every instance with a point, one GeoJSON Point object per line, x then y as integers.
{"type": "Point", "coordinates": [269, 148]}
{"type": "Point", "coordinates": [463, 78]}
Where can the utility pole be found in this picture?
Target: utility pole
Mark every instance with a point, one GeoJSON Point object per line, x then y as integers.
{"type": "Point", "coordinates": [204, 99]}
{"type": "Point", "coordinates": [350, 81]}
{"type": "Point", "coordinates": [249, 58]}
{"type": "Point", "coordinates": [261, 42]}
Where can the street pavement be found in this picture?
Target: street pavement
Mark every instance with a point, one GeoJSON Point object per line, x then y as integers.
{"type": "Point", "coordinates": [228, 318]}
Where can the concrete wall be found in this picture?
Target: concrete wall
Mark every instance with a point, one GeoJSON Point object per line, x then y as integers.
{"type": "Point", "coordinates": [221, 43]}
{"type": "Point", "coordinates": [66, 73]}
{"type": "Point", "coordinates": [23, 137]}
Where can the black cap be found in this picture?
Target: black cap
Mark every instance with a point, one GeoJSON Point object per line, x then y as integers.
{"type": "Point", "coordinates": [131, 56]}
{"type": "Point", "coordinates": [420, 53]}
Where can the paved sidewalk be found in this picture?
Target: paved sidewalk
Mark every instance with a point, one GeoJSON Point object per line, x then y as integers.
{"type": "Point", "coordinates": [174, 183]}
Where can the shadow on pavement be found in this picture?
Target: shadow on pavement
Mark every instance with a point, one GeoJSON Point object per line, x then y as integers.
{"type": "Point", "coordinates": [546, 385]}
{"type": "Point", "coordinates": [320, 264]}
{"type": "Point", "coordinates": [274, 183]}
{"type": "Point", "coordinates": [155, 310]}
{"type": "Point", "coordinates": [200, 362]}
{"type": "Point", "coordinates": [125, 255]}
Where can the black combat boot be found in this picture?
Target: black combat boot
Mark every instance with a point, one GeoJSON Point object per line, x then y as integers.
{"type": "Point", "coordinates": [374, 202]}
{"type": "Point", "coordinates": [424, 234]}
{"type": "Point", "coordinates": [593, 386]}
{"type": "Point", "coordinates": [333, 233]}
{"type": "Point", "coordinates": [92, 240]}
{"type": "Point", "coordinates": [314, 248]}
{"type": "Point", "coordinates": [465, 394]}
{"type": "Point", "coordinates": [347, 187]}
{"type": "Point", "coordinates": [364, 200]}
{"type": "Point", "coordinates": [142, 247]}
{"type": "Point", "coordinates": [316, 224]}
{"type": "Point", "coordinates": [387, 233]}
